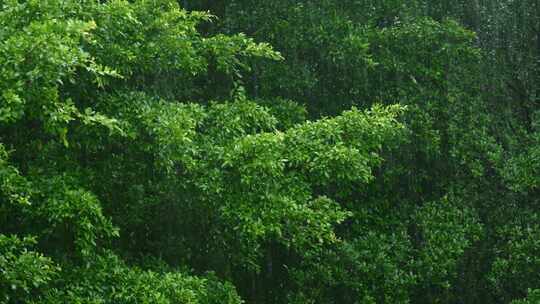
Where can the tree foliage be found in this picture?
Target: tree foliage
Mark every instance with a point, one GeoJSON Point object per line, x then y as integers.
{"type": "Point", "coordinates": [280, 151]}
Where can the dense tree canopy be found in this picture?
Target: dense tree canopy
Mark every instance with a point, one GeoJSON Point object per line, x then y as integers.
{"type": "Point", "coordinates": [240, 151]}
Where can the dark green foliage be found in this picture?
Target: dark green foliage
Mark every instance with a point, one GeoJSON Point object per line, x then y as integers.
{"type": "Point", "coordinates": [24, 273]}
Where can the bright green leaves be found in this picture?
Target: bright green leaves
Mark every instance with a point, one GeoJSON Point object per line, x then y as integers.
{"type": "Point", "coordinates": [37, 59]}
{"type": "Point", "coordinates": [13, 107]}
{"type": "Point", "coordinates": [173, 128]}
{"type": "Point", "coordinates": [270, 172]}
{"type": "Point", "coordinates": [155, 46]}
{"type": "Point", "coordinates": [230, 52]}
{"type": "Point", "coordinates": [344, 148]}
{"type": "Point", "coordinates": [123, 114]}
{"type": "Point", "coordinates": [152, 45]}
{"type": "Point", "coordinates": [108, 280]}
{"type": "Point", "coordinates": [255, 157]}
{"type": "Point", "coordinates": [148, 37]}
{"type": "Point", "coordinates": [23, 272]}
{"type": "Point", "coordinates": [231, 120]}
{"type": "Point", "coordinates": [14, 188]}
{"type": "Point", "coordinates": [533, 296]}
{"type": "Point", "coordinates": [262, 185]}
{"type": "Point", "coordinates": [311, 224]}
{"type": "Point", "coordinates": [166, 171]}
